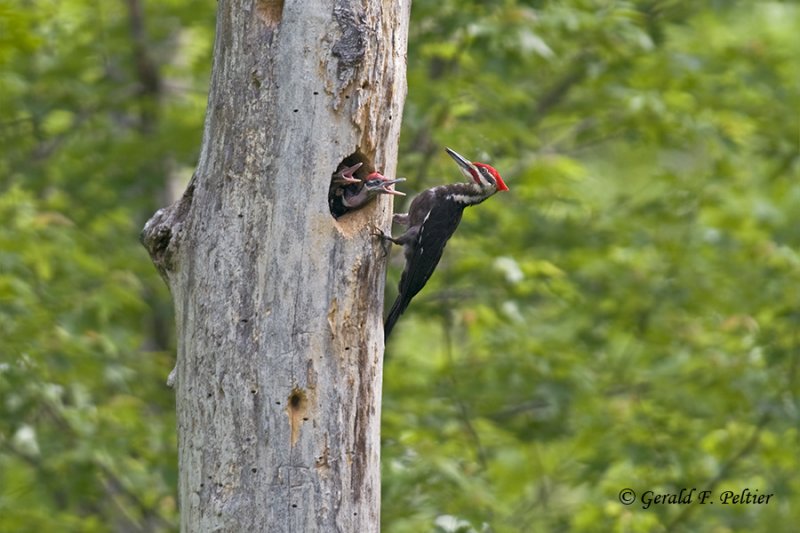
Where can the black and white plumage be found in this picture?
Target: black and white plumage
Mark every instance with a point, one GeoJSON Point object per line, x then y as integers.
{"type": "Point", "coordinates": [432, 219]}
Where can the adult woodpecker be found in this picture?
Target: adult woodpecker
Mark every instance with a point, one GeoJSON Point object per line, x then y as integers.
{"type": "Point", "coordinates": [349, 193]}
{"type": "Point", "coordinates": [432, 219]}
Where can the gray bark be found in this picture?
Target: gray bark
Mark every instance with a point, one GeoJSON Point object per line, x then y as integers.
{"type": "Point", "coordinates": [278, 305]}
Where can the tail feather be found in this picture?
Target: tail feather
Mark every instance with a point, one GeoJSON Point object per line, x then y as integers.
{"type": "Point", "coordinates": [397, 309]}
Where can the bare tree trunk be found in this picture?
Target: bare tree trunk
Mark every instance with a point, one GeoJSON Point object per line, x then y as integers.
{"type": "Point", "coordinates": [278, 305]}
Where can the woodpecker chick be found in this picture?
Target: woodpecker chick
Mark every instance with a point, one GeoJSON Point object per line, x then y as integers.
{"type": "Point", "coordinates": [341, 180]}
{"type": "Point", "coordinates": [345, 197]}
{"type": "Point", "coordinates": [374, 184]}
{"type": "Point", "coordinates": [432, 219]}
{"type": "Point", "coordinates": [345, 175]}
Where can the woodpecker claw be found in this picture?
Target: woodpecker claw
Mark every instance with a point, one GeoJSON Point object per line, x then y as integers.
{"type": "Point", "coordinates": [377, 232]}
{"type": "Point", "coordinates": [345, 175]}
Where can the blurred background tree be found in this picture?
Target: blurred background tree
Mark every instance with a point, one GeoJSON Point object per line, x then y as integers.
{"type": "Point", "coordinates": [626, 316]}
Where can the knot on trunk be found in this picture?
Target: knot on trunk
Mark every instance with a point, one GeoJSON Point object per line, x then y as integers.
{"type": "Point", "coordinates": [160, 234]}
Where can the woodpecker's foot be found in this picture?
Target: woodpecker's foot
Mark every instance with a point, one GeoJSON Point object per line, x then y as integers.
{"type": "Point", "coordinates": [378, 232]}
{"type": "Point", "coordinates": [386, 240]}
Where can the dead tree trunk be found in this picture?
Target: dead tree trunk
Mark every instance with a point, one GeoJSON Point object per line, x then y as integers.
{"type": "Point", "coordinates": [278, 305]}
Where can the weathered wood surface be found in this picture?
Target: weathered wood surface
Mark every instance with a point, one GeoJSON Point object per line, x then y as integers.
{"type": "Point", "coordinates": [278, 305]}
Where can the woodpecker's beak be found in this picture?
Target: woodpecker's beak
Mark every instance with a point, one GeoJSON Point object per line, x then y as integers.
{"type": "Point", "coordinates": [345, 175]}
{"type": "Point", "coordinates": [379, 183]}
{"type": "Point", "coordinates": [468, 169]}
{"type": "Point", "coordinates": [388, 187]}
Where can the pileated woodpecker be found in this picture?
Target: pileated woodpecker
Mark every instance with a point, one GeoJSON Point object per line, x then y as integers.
{"type": "Point", "coordinates": [349, 193]}
{"type": "Point", "coordinates": [432, 219]}
{"type": "Point", "coordinates": [345, 176]}
{"type": "Point", "coordinates": [373, 185]}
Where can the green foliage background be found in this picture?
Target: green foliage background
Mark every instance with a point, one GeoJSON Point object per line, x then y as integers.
{"type": "Point", "coordinates": [628, 315]}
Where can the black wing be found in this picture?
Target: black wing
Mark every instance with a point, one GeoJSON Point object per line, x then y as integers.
{"type": "Point", "coordinates": [424, 255]}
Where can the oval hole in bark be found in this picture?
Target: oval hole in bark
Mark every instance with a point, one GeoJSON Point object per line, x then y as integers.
{"type": "Point", "coordinates": [297, 408]}
{"type": "Point", "coordinates": [297, 398]}
{"type": "Point", "coordinates": [337, 190]}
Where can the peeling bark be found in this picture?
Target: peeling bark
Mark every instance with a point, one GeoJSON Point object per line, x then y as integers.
{"type": "Point", "coordinates": [278, 305]}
